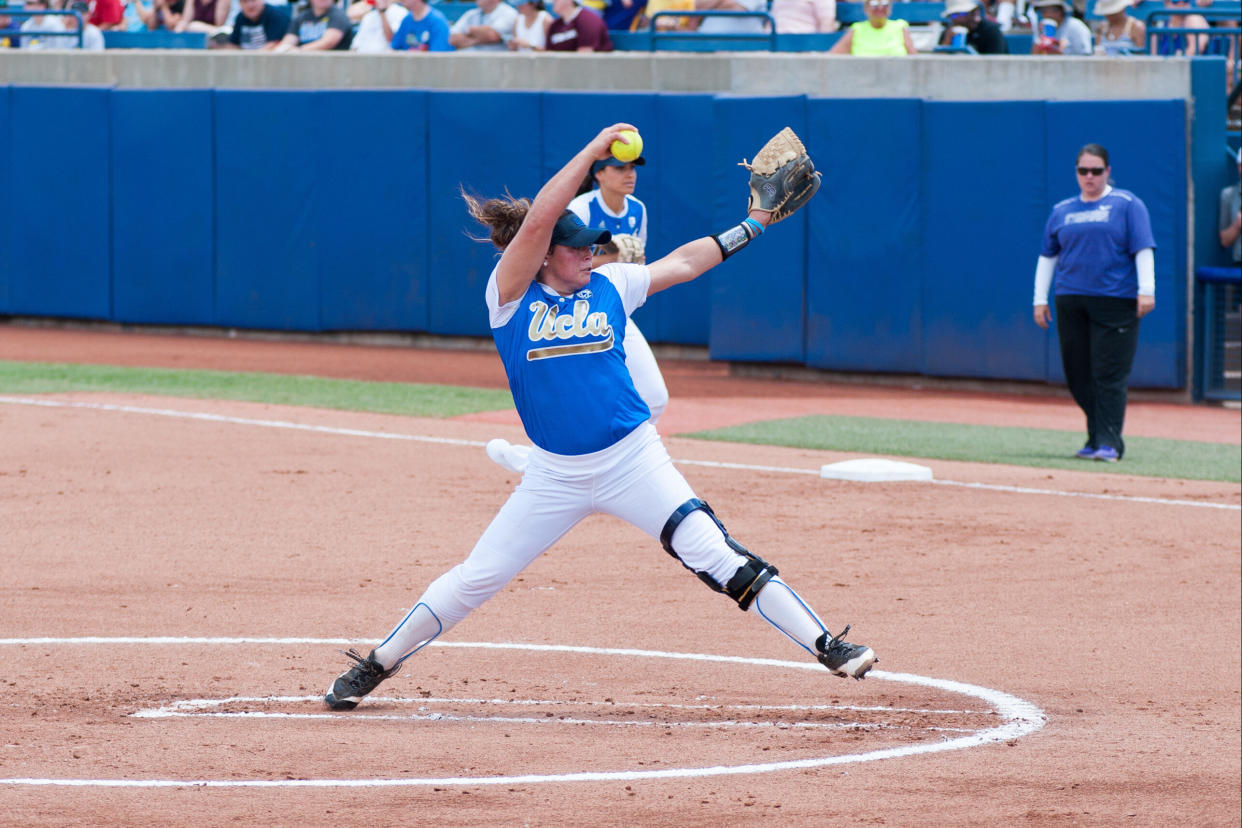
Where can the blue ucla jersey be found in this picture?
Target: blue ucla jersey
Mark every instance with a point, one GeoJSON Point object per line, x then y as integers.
{"type": "Point", "coordinates": [1095, 243]}
{"type": "Point", "coordinates": [565, 361]}
{"type": "Point", "coordinates": [590, 208]}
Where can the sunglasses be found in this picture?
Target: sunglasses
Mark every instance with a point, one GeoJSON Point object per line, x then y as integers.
{"type": "Point", "coordinates": [1090, 170]}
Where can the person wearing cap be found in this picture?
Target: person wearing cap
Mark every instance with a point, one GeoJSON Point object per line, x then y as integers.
{"type": "Point", "coordinates": [982, 35]}
{"type": "Point", "coordinates": [488, 27]}
{"type": "Point", "coordinates": [1119, 33]}
{"type": "Point", "coordinates": [558, 326]}
{"type": "Point", "coordinates": [92, 37]}
{"type": "Point", "coordinates": [424, 29]}
{"type": "Point", "coordinates": [258, 25]}
{"type": "Point", "coordinates": [530, 33]}
{"type": "Point", "coordinates": [1072, 36]}
{"type": "Point", "coordinates": [576, 29]}
{"type": "Point", "coordinates": [877, 36]}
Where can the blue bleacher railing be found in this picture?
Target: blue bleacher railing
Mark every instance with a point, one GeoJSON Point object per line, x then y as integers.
{"type": "Point", "coordinates": [713, 41]}
{"type": "Point", "coordinates": [35, 34]}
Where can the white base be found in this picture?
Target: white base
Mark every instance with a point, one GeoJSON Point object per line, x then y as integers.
{"type": "Point", "coordinates": [874, 469]}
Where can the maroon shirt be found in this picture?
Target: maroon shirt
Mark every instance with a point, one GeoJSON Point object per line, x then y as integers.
{"type": "Point", "coordinates": [587, 29]}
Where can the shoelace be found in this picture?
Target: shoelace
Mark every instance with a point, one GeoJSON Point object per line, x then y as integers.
{"type": "Point", "coordinates": [836, 641]}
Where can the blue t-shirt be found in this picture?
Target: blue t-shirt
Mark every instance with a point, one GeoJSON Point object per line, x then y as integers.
{"type": "Point", "coordinates": [1095, 242]}
{"type": "Point", "coordinates": [431, 34]}
{"type": "Point", "coordinates": [566, 364]}
{"type": "Point", "coordinates": [272, 25]}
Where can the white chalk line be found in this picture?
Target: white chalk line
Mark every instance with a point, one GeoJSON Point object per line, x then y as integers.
{"type": "Point", "coordinates": [1018, 718]}
{"type": "Point", "coordinates": [388, 435]}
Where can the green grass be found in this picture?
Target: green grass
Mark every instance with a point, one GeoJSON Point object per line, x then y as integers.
{"type": "Point", "coordinates": [349, 395]}
{"type": "Point", "coordinates": [1042, 448]}
{"type": "Point", "coordinates": [1147, 456]}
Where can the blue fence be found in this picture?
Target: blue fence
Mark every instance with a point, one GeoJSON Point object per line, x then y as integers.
{"type": "Point", "coordinates": [339, 210]}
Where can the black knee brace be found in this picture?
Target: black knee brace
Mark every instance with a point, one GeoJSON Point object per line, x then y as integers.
{"type": "Point", "coordinates": [750, 577]}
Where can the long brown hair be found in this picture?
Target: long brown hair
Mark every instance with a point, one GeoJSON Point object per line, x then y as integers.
{"type": "Point", "coordinates": [502, 216]}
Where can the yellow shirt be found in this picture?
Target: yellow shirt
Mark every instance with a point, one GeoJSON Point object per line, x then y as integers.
{"type": "Point", "coordinates": [888, 40]}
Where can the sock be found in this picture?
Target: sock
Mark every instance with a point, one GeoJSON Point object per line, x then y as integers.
{"type": "Point", "coordinates": [781, 607]}
{"type": "Point", "coordinates": [418, 629]}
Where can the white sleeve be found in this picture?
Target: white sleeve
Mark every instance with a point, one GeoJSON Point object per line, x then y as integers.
{"type": "Point", "coordinates": [580, 206]}
{"type": "Point", "coordinates": [1004, 14]}
{"type": "Point", "coordinates": [1043, 278]}
{"type": "Point", "coordinates": [632, 281]}
{"type": "Point", "coordinates": [498, 315]}
{"type": "Point", "coordinates": [1145, 264]}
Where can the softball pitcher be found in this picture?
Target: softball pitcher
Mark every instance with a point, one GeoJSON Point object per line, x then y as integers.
{"type": "Point", "coordinates": [606, 201]}
{"type": "Point", "coordinates": [559, 328]}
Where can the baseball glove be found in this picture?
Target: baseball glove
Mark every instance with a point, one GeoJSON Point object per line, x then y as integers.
{"type": "Point", "coordinates": [629, 248]}
{"type": "Point", "coordinates": [782, 177]}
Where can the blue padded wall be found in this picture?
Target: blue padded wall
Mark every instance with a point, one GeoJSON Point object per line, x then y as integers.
{"type": "Point", "coordinates": [471, 143]}
{"type": "Point", "coordinates": [864, 262]}
{"type": "Point", "coordinates": [8, 206]}
{"type": "Point", "coordinates": [267, 186]}
{"type": "Point", "coordinates": [681, 176]}
{"type": "Point", "coordinates": [1146, 143]}
{"type": "Point", "coordinates": [162, 206]}
{"type": "Point", "coordinates": [983, 210]}
{"type": "Point", "coordinates": [757, 296]}
{"type": "Point", "coordinates": [371, 192]}
{"type": "Point", "coordinates": [60, 257]}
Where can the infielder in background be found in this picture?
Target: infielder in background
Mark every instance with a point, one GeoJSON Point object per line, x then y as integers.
{"type": "Point", "coordinates": [606, 200]}
{"type": "Point", "coordinates": [1098, 252]}
{"type": "Point", "coordinates": [559, 327]}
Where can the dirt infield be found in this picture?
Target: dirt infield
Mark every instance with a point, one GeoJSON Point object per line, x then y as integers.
{"type": "Point", "coordinates": [180, 574]}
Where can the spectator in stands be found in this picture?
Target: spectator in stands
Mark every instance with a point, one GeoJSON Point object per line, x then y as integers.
{"type": "Point", "coordinates": [1006, 13]}
{"type": "Point", "coordinates": [982, 35]}
{"type": "Point", "coordinates": [206, 16]}
{"type": "Point", "coordinates": [40, 30]}
{"type": "Point", "coordinates": [488, 26]}
{"type": "Point", "coordinates": [376, 28]}
{"type": "Point", "coordinates": [878, 35]}
{"type": "Point", "coordinates": [576, 29]}
{"type": "Point", "coordinates": [166, 14]}
{"type": "Point", "coordinates": [1230, 216]}
{"type": "Point", "coordinates": [732, 25]}
{"type": "Point", "coordinates": [804, 16]}
{"type": "Point", "coordinates": [424, 29]}
{"type": "Point", "coordinates": [621, 14]}
{"type": "Point", "coordinates": [1098, 248]}
{"type": "Point", "coordinates": [108, 15]}
{"type": "Point", "coordinates": [320, 27]}
{"type": "Point", "coordinates": [1119, 33]}
{"type": "Point", "coordinates": [1072, 35]}
{"type": "Point", "coordinates": [1180, 44]}
{"type": "Point", "coordinates": [530, 33]}
{"type": "Point", "coordinates": [92, 38]}
{"type": "Point", "coordinates": [10, 32]}
{"type": "Point", "coordinates": [257, 25]}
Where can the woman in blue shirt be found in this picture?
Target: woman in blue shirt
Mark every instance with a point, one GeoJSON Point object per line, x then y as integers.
{"type": "Point", "coordinates": [1098, 254]}
{"type": "Point", "coordinates": [559, 327]}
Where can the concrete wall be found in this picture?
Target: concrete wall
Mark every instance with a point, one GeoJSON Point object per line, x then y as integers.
{"type": "Point", "coordinates": [927, 77]}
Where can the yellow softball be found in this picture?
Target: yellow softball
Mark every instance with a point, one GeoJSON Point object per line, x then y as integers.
{"type": "Point", "coordinates": [627, 152]}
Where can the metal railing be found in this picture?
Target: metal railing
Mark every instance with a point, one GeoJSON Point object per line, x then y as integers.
{"type": "Point", "coordinates": [7, 11]}
{"type": "Point", "coordinates": [1218, 357]}
{"type": "Point", "coordinates": [697, 41]}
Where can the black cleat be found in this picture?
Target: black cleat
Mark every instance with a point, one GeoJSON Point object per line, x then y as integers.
{"type": "Point", "coordinates": [843, 658]}
{"type": "Point", "coordinates": [356, 682]}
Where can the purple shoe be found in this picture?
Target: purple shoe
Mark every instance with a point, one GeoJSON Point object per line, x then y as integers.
{"type": "Point", "coordinates": [1108, 454]}
{"type": "Point", "coordinates": [1085, 453]}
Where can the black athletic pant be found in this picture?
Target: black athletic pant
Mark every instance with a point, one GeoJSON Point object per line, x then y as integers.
{"type": "Point", "coordinates": [1098, 336]}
